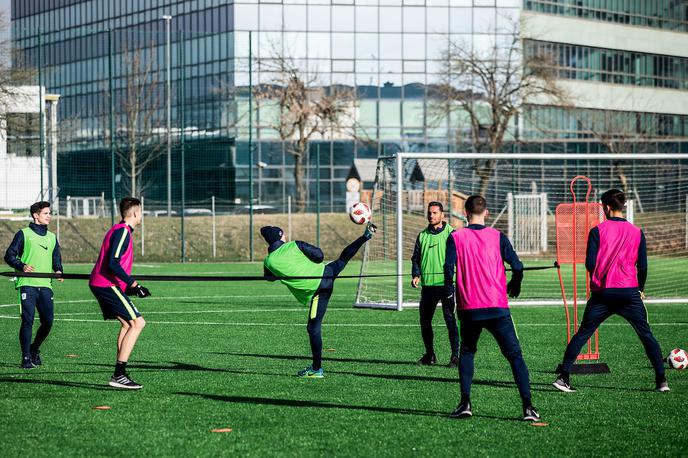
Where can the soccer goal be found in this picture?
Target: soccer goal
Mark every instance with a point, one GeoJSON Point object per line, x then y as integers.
{"type": "Point", "coordinates": [523, 191]}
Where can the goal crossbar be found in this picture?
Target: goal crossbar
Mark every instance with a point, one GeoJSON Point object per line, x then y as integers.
{"type": "Point", "coordinates": [399, 162]}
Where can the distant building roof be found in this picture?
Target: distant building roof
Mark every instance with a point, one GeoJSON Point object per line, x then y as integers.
{"type": "Point", "coordinates": [431, 170]}
{"type": "Point", "coordinates": [363, 170]}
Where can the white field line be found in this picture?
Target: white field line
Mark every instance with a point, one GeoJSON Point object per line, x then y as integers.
{"type": "Point", "coordinates": [528, 304]}
{"type": "Point", "coordinates": [347, 325]}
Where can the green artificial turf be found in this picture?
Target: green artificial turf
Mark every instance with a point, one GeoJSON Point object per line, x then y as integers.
{"type": "Point", "coordinates": [225, 355]}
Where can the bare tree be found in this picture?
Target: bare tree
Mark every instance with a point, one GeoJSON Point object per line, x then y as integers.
{"type": "Point", "coordinates": [305, 111]}
{"type": "Point", "coordinates": [137, 116]}
{"type": "Point", "coordinates": [14, 71]}
{"type": "Point", "coordinates": [486, 87]}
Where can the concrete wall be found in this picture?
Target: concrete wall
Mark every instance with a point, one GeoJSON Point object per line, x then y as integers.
{"type": "Point", "coordinates": [20, 177]}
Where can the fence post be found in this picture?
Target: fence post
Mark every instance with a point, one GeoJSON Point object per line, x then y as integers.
{"type": "Point", "coordinates": [250, 145]}
{"type": "Point", "coordinates": [317, 196]}
{"type": "Point", "coordinates": [57, 211]}
{"type": "Point", "coordinates": [449, 191]}
{"type": "Point", "coordinates": [289, 217]}
{"type": "Point", "coordinates": [212, 206]}
{"type": "Point", "coordinates": [182, 95]}
{"type": "Point", "coordinates": [69, 207]}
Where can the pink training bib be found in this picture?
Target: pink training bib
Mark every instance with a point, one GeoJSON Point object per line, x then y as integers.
{"type": "Point", "coordinates": [101, 275]}
{"type": "Point", "coordinates": [480, 273]}
{"type": "Point", "coordinates": [617, 256]}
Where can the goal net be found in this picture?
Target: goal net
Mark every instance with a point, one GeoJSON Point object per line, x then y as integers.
{"type": "Point", "coordinates": [523, 191]}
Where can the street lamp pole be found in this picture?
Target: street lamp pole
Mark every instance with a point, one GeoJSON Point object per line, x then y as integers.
{"type": "Point", "coordinates": [168, 20]}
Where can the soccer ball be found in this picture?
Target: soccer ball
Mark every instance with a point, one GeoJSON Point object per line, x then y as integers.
{"type": "Point", "coordinates": [678, 359]}
{"type": "Point", "coordinates": [360, 213]}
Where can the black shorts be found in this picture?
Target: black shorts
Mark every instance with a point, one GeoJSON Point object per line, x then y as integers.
{"type": "Point", "coordinates": [114, 303]}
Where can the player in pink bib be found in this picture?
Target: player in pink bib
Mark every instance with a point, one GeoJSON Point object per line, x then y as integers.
{"type": "Point", "coordinates": [111, 283]}
{"type": "Point", "coordinates": [616, 259]}
{"type": "Point", "coordinates": [478, 254]}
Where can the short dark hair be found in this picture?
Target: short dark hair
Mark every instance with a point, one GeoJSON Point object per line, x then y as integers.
{"type": "Point", "coordinates": [434, 203]}
{"type": "Point", "coordinates": [614, 199]}
{"type": "Point", "coordinates": [38, 206]}
{"type": "Point", "coordinates": [126, 203]}
{"type": "Point", "coordinates": [475, 205]}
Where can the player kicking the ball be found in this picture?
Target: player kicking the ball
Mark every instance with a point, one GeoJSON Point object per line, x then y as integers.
{"type": "Point", "coordinates": [478, 253]}
{"type": "Point", "coordinates": [616, 258]}
{"type": "Point", "coordinates": [287, 260]}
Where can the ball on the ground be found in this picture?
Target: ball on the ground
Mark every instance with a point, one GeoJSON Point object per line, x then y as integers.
{"type": "Point", "coordinates": [678, 359]}
{"type": "Point", "coordinates": [360, 213]}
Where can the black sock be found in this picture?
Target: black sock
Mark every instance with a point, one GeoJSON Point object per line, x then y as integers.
{"type": "Point", "coordinates": [120, 368]}
{"type": "Point", "coordinates": [660, 378]}
{"type": "Point", "coordinates": [527, 402]}
{"type": "Point", "coordinates": [465, 398]}
{"type": "Point", "coordinates": [565, 377]}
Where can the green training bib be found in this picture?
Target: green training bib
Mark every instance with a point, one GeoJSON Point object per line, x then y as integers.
{"type": "Point", "coordinates": [38, 252]}
{"type": "Point", "coordinates": [433, 248]}
{"type": "Point", "coordinates": [289, 261]}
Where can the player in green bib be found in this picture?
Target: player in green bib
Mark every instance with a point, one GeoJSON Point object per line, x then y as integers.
{"type": "Point", "coordinates": [35, 249]}
{"type": "Point", "coordinates": [427, 269]}
{"type": "Point", "coordinates": [300, 267]}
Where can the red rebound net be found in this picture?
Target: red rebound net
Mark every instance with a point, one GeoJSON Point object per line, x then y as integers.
{"type": "Point", "coordinates": [573, 223]}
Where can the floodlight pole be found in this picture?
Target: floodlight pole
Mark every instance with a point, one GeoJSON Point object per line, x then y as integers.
{"type": "Point", "coordinates": [182, 96]}
{"type": "Point", "coordinates": [168, 84]}
{"type": "Point", "coordinates": [112, 129]}
{"type": "Point", "coordinates": [41, 111]}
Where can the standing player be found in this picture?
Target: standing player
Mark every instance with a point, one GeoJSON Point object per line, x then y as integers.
{"type": "Point", "coordinates": [290, 262]}
{"type": "Point", "coordinates": [35, 249]}
{"type": "Point", "coordinates": [427, 270]}
{"type": "Point", "coordinates": [111, 282]}
{"type": "Point", "coordinates": [479, 253]}
{"type": "Point", "coordinates": [616, 258]}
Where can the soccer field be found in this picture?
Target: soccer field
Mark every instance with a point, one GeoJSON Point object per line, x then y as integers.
{"type": "Point", "coordinates": [225, 355]}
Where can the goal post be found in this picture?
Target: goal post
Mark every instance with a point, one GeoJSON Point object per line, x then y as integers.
{"type": "Point", "coordinates": [406, 182]}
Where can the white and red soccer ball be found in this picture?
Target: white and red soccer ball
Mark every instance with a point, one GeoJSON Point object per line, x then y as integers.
{"type": "Point", "coordinates": [360, 213]}
{"type": "Point", "coordinates": [678, 359]}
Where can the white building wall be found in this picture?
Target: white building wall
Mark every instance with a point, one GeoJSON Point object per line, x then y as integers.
{"type": "Point", "coordinates": [607, 96]}
{"type": "Point", "coordinates": [562, 29]}
{"type": "Point", "coordinates": [604, 96]}
{"type": "Point", "coordinates": [20, 177]}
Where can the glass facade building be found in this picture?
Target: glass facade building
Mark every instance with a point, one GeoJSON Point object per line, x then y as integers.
{"type": "Point", "coordinates": [390, 51]}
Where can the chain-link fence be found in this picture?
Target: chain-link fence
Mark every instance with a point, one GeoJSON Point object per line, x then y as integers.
{"type": "Point", "coordinates": [90, 116]}
{"type": "Point", "coordinates": [157, 115]}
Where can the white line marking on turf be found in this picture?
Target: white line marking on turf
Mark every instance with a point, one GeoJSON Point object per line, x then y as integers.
{"type": "Point", "coordinates": [288, 296]}
{"type": "Point", "coordinates": [196, 312]}
{"type": "Point", "coordinates": [347, 325]}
